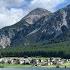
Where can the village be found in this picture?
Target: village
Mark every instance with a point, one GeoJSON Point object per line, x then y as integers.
{"type": "Point", "coordinates": [34, 61]}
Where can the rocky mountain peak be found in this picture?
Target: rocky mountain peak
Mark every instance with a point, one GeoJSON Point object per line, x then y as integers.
{"type": "Point", "coordinates": [36, 14]}
{"type": "Point", "coordinates": [39, 25]}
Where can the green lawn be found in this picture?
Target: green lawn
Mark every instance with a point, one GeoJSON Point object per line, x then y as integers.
{"type": "Point", "coordinates": [20, 66]}
{"type": "Point", "coordinates": [66, 64]}
{"type": "Point", "coordinates": [13, 65]}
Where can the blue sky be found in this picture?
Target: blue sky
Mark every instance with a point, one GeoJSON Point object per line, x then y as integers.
{"type": "Point", "coordinates": [63, 4]}
{"type": "Point", "coordinates": [11, 11]}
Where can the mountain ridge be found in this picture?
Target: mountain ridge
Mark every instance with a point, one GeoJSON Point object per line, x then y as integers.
{"type": "Point", "coordinates": [19, 30]}
{"type": "Point", "coordinates": [48, 28]}
{"type": "Point", "coordinates": [35, 15]}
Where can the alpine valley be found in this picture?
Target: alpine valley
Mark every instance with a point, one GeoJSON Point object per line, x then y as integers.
{"type": "Point", "coordinates": [39, 26]}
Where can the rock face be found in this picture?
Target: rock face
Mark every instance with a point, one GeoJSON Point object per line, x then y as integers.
{"type": "Point", "coordinates": [55, 29]}
{"type": "Point", "coordinates": [5, 41]}
{"type": "Point", "coordinates": [35, 15]}
{"type": "Point", "coordinates": [15, 34]}
{"type": "Point", "coordinates": [38, 26]}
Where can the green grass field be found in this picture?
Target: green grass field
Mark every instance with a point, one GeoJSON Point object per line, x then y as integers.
{"type": "Point", "coordinates": [22, 66]}
{"type": "Point", "coordinates": [13, 66]}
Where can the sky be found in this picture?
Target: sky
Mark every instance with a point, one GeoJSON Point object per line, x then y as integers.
{"type": "Point", "coordinates": [12, 11]}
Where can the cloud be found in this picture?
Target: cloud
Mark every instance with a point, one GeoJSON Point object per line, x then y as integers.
{"type": "Point", "coordinates": [10, 17]}
{"type": "Point", "coordinates": [11, 3]}
{"type": "Point", "coordinates": [61, 5]}
{"type": "Point", "coordinates": [47, 4]}
{"type": "Point", "coordinates": [11, 11]}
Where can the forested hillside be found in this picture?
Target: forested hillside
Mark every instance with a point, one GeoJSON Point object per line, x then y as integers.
{"type": "Point", "coordinates": [40, 49]}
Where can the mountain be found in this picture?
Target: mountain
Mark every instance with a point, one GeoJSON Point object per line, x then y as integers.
{"type": "Point", "coordinates": [15, 34]}
{"type": "Point", "coordinates": [35, 15]}
{"type": "Point", "coordinates": [39, 26]}
{"type": "Point", "coordinates": [55, 29]}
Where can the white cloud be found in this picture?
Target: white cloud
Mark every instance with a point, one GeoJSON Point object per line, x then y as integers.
{"type": "Point", "coordinates": [11, 11]}
{"type": "Point", "coordinates": [13, 14]}
{"type": "Point", "coordinates": [47, 4]}
{"type": "Point", "coordinates": [9, 17]}
{"type": "Point", "coordinates": [10, 2]}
